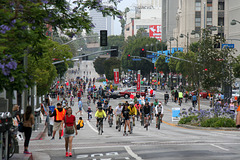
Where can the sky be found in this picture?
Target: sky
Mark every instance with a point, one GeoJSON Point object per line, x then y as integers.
{"type": "Point", "coordinates": [121, 6]}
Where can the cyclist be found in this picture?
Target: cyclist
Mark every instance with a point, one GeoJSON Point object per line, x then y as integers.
{"type": "Point", "coordinates": [138, 106]}
{"type": "Point", "coordinates": [132, 111]}
{"type": "Point", "coordinates": [155, 103]}
{"type": "Point", "coordinates": [94, 96]}
{"type": "Point", "coordinates": [166, 97]}
{"type": "Point", "coordinates": [194, 100]}
{"type": "Point", "coordinates": [125, 115]}
{"type": "Point", "coordinates": [89, 111]}
{"type": "Point", "coordinates": [109, 112]}
{"type": "Point", "coordinates": [99, 103]}
{"type": "Point", "coordinates": [180, 97]}
{"type": "Point", "coordinates": [118, 111]}
{"type": "Point", "coordinates": [64, 103]}
{"type": "Point", "coordinates": [100, 114]}
{"type": "Point", "coordinates": [146, 111]}
{"type": "Point", "coordinates": [159, 111]}
{"type": "Point", "coordinates": [105, 107]}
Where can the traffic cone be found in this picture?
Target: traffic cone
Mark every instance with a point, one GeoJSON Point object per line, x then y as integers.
{"type": "Point", "coordinates": [58, 97]}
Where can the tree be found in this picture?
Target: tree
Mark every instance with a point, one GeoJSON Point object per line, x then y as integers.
{"type": "Point", "coordinates": [132, 47]}
{"type": "Point", "coordinates": [42, 71]}
{"type": "Point", "coordinates": [99, 65]}
{"type": "Point", "coordinates": [23, 28]}
{"type": "Point", "coordinates": [123, 20]}
{"type": "Point", "coordinates": [109, 65]}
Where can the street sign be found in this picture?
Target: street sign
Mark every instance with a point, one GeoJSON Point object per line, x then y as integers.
{"type": "Point", "coordinates": [136, 59]}
{"type": "Point", "coordinates": [227, 45]}
{"type": "Point", "coordinates": [150, 56]}
{"type": "Point", "coordinates": [175, 114]}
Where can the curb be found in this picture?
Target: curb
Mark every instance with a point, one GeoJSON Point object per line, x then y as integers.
{"type": "Point", "coordinates": [207, 128]}
{"type": "Point", "coordinates": [22, 157]}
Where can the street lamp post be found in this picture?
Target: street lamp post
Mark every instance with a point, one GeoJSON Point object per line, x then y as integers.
{"type": "Point", "coordinates": [187, 36]}
{"type": "Point", "coordinates": [234, 22]}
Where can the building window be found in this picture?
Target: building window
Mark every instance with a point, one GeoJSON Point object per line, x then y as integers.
{"type": "Point", "coordinates": [220, 5]}
{"type": "Point", "coordinates": [127, 29]}
{"type": "Point", "coordinates": [198, 6]}
{"type": "Point", "coordinates": [220, 21]}
{"type": "Point", "coordinates": [142, 26]}
{"type": "Point", "coordinates": [209, 21]}
{"type": "Point", "coordinates": [197, 22]}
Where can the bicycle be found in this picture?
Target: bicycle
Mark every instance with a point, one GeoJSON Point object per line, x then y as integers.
{"type": "Point", "coordinates": [100, 126]}
{"type": "Point", "coordinates": [110, 122]}
{"type": "Point", "coordinates": [166, 101]}
{"type": "Point", "coordinates": [88, 102]}
{"type": "Point", "coordinates": [142, 120]}
{"type": "Point", "coordinates": [159, 121]}
{"type": "Point", "coordinates": [147, 122]}
{"type": "Point", "coordinates": [119, 123]}
{"type": "Point", "coordinates": [12, 143]}
{"type": "Point", "coordinates": [180, 101]}
{"type": "Point", "coordinates": [131, 124]}
{"type": "Point", "coordinates": [89, 116]}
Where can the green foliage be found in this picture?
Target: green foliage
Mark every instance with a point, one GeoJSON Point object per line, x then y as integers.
{"type": "Point", "coordinates": [187, 119]}
{"type": "Point", "coordinates": [109, 65]}
{"type": "Point", "coordinates": [132, 47]}
{"type": "Point", "coordinates": [236, 68]}
{"type": "Point", "coordinates": [99, 65]}
{"type": "Point", "coordinates": [218, 122]}
{"type": "Point", "coordinates": [23, 28]}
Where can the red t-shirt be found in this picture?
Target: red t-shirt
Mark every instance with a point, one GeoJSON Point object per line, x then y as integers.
{"type": "Point", "coordinates": [79, 94]}
{"type": "Point", "coordinates": [69, 121]}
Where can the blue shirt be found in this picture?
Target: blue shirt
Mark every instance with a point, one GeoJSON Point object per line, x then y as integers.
{"type": "Point", "coordinates": [79, 104]}
{"type": "Point", "coordinates": [194, 98]}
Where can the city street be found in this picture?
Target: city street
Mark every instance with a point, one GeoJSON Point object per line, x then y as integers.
{"type": "Point", "coordinates": [170, 143]}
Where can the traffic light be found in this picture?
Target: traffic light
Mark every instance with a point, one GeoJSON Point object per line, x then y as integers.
{"type": "Point", "coordinates": [205, 69]}
{"type": "Point", "coordinates": [103, 38]}
{"type": "Point", "coordinates": [128, 57]}
{"type": "Point", "coordinates": [114, 53]}
{"type": "Point", "coordinates": [142, 52]}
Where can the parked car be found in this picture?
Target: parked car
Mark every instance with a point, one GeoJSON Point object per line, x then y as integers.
{"type": "Point", "coordinates": [113, 95]}
{"type": "Point", "coordinates": [126, 93]}
{"type": "Point", "coordinates": [203, 93]}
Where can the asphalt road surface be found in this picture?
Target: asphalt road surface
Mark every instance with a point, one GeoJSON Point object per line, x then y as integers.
{"type": "Point", "coordinates": [170, 143]}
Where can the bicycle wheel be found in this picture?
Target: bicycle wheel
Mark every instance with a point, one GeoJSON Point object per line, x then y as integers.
{"type": "Point", "coordinates": [119, 124]}
{"type": "Point", "coordinates": [159, 122]}
{"type": "Point", "coordinates": [131, 127]}
{"type": "Point", "coordinates": [11, 147]}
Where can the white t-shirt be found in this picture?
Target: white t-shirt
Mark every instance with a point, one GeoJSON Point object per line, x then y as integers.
{"type": "Point", "coordinates": [159, 109]}
{"type": "Point", "coordinates": [118, 110]}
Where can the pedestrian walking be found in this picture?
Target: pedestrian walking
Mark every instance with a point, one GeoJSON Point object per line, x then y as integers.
{"type": "Point", "coordinates": [28, 121]}
{"type": "Point", "coordinates": [58, 114]}
{"type": "Point", "coordinates": [70, 126]}
{"type": "Point", "coordinates": [80, 106]}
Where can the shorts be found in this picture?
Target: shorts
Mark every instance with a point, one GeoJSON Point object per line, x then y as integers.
{"type": "Point", "coordinates": [80, 108]}
{"type": "Point", "coordinates": [56, 126]}
{"type": "Point", "coordinates": [145, 115]}
{"type": "Point", "coordinates": [68, 135]}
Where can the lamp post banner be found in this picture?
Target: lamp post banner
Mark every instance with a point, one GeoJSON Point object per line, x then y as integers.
{"type": "Point", "coordinates": [139, 81]}
{"type": "Point", "coordinates": [116, 76]}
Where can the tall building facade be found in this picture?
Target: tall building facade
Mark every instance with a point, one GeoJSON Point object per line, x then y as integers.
{"type": "Point", "coordinates": [148, 16]}
{"type": "Point", "coordinates": [169, 11]}
{"type": "Point", "coordinates": [234, 30]}
{"type": "Point", "coordinates": [194, 15]}
{"type": "Point", "coordinates": [102, 23]}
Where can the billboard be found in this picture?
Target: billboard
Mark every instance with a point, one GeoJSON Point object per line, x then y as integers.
{"type": "Point", "coordinates": [155, 31]}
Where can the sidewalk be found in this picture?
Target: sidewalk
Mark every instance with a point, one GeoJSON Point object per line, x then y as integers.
{"type": "Point", "coordinates": [36, 135]}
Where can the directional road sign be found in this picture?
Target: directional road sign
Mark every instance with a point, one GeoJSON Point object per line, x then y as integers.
{"type": "Point", "coordinates": [150, 56]}
{"type": "Point", "coordinates": [136, 59]}
{"type": "Point", "coordinates": [227, 45]}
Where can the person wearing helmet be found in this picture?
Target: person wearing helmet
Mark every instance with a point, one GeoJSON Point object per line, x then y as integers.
{"type": "Point", "coordinates": [118, 111]}
{"type": "Point", "coordinates": [132, 111]}
{"type": "Point", "coordinates": [89, 111]}
{"type": "Point", "coordinates": [146, 112]}
{"type": "Point", "coordinates": [158, 110]}
{"type": "Point", "coordinates": [100, 114]}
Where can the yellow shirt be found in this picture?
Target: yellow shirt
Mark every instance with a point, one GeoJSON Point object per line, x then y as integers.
{"type": "Point", "coordinates": [100, 114]}
{"type": "Point", "coordinates": [81, 123]}
{"type": "Point", "coordinates": [133, 110]}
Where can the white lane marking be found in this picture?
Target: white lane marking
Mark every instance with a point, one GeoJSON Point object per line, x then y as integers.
{"type": "Point", "coordinates": [91, 127]}
{"type": "Point", "coordinates": [219, 147]}
{"type": "Point", "coordinates": [131, 153]}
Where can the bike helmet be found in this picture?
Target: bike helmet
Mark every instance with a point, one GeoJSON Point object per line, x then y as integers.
{"type": "Point", "coordinates": [99, 107]}
{"type": "Point", "coordinates": [131, 103]}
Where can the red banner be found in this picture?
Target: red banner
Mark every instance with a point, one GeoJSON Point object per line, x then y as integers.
{"type": "Point", "coordinates": [138, 81]}
{"type": "Point", "coordinates": [155, 31]}
{"type": "Point", "coordinates": [116, 76]}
